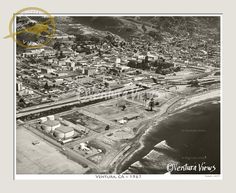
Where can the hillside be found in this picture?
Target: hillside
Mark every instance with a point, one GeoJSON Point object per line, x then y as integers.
{"type": "Point", "coordinates": [151, 26]}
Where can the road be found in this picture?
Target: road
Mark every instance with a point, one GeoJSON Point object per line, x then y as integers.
{"type": "Point", "coordinates": [78, 100]}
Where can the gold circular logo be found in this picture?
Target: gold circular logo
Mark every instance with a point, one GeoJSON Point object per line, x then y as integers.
{"type": "Point", "coordinates": [35, 35]}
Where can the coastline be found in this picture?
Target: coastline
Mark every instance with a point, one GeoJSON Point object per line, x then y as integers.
{"type": "Point", "coordinates": [198, 98]}
{"type": "Point", "coordinates": [178, 107]}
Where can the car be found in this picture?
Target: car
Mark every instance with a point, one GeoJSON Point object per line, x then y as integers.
{"type": "Point", "coordinates": [35, 142]}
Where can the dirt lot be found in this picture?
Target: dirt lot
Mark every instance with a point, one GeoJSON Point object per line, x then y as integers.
{"type": "Point", "coordinates": [112, 112]}
{"type": "Point", "coordinates": [41, 158]}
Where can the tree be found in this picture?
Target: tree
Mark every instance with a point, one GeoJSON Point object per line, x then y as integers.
{"type": "Point", "coordinates": [57, 46]}
{"type": "Point", "coordinates": [46, 87]}
{"type": "Point", "coordinates": [122, 104]}
{"type": "Point", "coordinates": [145, 97]}
{"type": "Point", "coordinates": [144, 28]}
{"type": "Point", "coordinates": [151, 104]}
{"type": "Point", "coordinates": [106, 84]}
{"type": "Point", "coordinates": [123, 107]}
{"type": "Point", "coordinates": [132, 64]}
{"type": "Point", "coordinates": [107, 127]}
{"type": "Point", "coordinates": [194, 83]}
{"type": "Point", "coordinates": [177, 69]}
{"type": "Point", "coordinates": [22, 100]}
{"type": "Point", "coordinates": [146, 59]}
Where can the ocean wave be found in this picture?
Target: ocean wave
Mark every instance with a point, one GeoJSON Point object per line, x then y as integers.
{"type": "Point", "coordinates": [155, 162]}
{"type": "Point", "coordinates": [215, 102]}
{"type": "Point", "coordinates": [182, 138]}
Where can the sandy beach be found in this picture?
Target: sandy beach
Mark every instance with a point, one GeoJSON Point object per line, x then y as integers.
{"type": "Point", "coordinates": [200, 97]}
{"type": "Point", "coordinates": [178, 105]}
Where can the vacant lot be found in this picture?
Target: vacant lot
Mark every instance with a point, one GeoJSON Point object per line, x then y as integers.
{"type": "Point", "coordinates": [112, 110]}
{"type": "Point", "coordinates": [41, 158]}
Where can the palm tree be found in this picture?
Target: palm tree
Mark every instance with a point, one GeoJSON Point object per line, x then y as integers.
{"type": "Point", "coordinates": [145, 97]}
{"type": "Point", "coordinates": [151, 104]}
{"type": "Point", "coordinates": [122, 104]}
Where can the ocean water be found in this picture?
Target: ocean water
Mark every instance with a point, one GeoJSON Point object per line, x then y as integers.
{"type": "Point", "coordinates": [188, 140]}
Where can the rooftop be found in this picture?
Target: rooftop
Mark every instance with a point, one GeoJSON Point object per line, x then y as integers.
{"type": "Point", "coordinates": [64, 129]}
{"type": "Point", "coordinates": [51, 123]}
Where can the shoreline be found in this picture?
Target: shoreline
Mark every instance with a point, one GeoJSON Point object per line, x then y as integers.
{"type": "Point", "coordinates": [200, 97]}
{"type": "Point", "coordinates": [182, 105]}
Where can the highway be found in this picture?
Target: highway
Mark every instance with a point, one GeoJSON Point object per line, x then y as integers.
{"type": "Point", "coordinates": [79, 100]}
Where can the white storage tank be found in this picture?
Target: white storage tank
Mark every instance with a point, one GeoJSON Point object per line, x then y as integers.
{"type": "Point", "coordinates": [50, 125]}
{"type": "Point", "coordinates": [63, 132]}
{"type": "Point", "coordinates": [51, 117]}
{"type": "Point", "coordinates": [42, 119]}
{"type": "Point", "coordinates": [46, 128]}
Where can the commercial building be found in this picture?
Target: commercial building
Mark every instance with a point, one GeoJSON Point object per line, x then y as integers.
{"type": "Point", "coordinates": [19, 86]}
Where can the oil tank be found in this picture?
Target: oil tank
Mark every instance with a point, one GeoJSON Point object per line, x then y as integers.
{"type": "Point", "coordinates": [42, 119]}
{"type": "Point", "coordinates": [50, 125]}
{"type": "Point", "coordinates": [51, 117]}
{"type": "Point", "coordinates": [46, 128]}
{"type": "Point", "coordinates": [63, 132]}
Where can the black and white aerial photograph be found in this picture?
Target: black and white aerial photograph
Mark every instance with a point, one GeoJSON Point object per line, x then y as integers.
{"type": "Point", "coordinates": [126, 95]}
